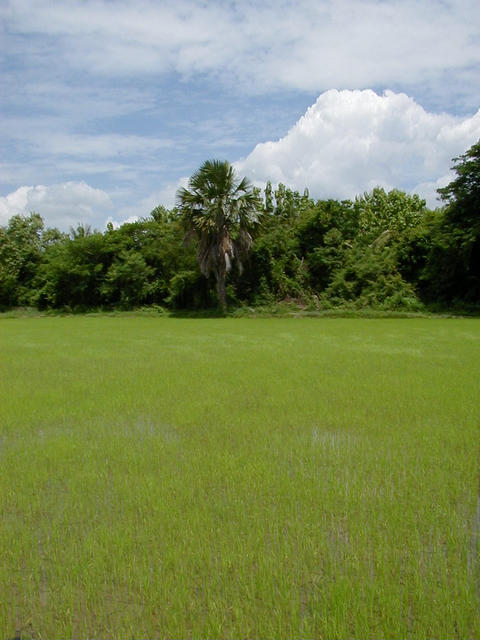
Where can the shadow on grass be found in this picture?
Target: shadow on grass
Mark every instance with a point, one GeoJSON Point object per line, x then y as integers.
{"type": "Point", "coordinates": [197, 314]}
{"type": "Point", "coordinates": [266, 311]}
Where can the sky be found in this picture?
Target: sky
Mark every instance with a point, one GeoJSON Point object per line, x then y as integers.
{"type": "Point", "coordinates": [108, 106]}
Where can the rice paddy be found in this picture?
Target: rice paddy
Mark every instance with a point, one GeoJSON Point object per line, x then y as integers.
{"type": "Point", "coordinates": [239, 478]}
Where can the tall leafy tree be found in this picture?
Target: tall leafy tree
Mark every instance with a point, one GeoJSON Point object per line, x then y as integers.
{"type": "Point", "coordinates": [458, 255]}
{"type": "Point", "coordinates": [222, 212]}
{"type": "Point", "coordinates": [20, 254]}
{"type": "Point", "coordinates": [463, 193]}
{"type": "Point", "coordinates": [73, 270]}
{"type": "Point", "coordinates": [379, 212]}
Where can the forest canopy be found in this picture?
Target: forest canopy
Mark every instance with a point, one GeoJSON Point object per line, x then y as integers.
{"type": "Point", "coordinates": [384, 250]}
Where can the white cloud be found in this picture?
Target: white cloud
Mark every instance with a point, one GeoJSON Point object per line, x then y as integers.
{"type": "Point", "coordinates": [118, 223]}
{"type": "Point", "coordinates": [44, 135]}
{"type": "Point", "coordinates": [306, 44]}
{"type": "Point", "coordinates": [67, 204]}
{"type": "Point", "coordinates": [165, 196]}
{"type": "Point", "coordinates": [61, 205]}
{"type": "Point", "coordinates": [346, 143]}
{"type": "Point", "coordinates": [101, 145]}
{"type": "Point", "coordinates": [350, 141]}
{"type": "Point", "coordinates": [135, 94]}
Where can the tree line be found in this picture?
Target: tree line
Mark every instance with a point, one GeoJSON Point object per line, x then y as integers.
{"type": "Point", "coordinates": [228, 243]}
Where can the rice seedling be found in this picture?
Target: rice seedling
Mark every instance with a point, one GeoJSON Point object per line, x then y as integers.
{"type": "Point", "coordinates": [310, 478]}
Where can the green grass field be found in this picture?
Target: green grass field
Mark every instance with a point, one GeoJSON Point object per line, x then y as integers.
{"type": "Point", "coordinates": [239, 478]}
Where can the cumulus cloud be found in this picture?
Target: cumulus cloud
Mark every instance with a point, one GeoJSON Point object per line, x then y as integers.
{"type": "Point", "coordinates": [138, 93]}
{"type": "Point", "coordinates": [61, 205]}
{"type": "Point", "coordinates": [350, 141]}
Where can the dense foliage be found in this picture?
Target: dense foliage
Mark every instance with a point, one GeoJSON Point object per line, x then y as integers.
{"type": "Point", "coordinates": [384, 250]}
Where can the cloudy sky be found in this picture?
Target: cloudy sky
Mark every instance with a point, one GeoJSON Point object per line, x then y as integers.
{"type": "Point", "coordinates": [107, 105]}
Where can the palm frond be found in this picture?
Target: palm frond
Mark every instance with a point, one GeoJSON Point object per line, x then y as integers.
{"type": "Point", "coordinates": [223, 212]}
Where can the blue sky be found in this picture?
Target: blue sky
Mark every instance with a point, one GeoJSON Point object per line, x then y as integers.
{"type": "Point", "coordinates": [107, 106]}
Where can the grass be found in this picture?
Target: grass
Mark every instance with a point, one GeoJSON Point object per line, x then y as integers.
{"type": "Point", "coordinates": [307, 478]}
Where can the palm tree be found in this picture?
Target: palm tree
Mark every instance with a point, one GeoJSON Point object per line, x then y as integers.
{"type": "Point", "coordinates": [221, 211]}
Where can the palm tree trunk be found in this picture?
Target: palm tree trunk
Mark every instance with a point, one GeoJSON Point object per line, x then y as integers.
{"type": "Point", "coordinates": [222, 291]}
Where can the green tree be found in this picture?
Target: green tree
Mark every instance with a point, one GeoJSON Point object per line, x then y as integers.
{"type": "Point", "coordinates": [222, 212]}
{"type": "Point", "coordinates": [20, 254]}
{"type": "Point", "coordinates": [127, 280]}
{"type": "Point", "coordinates": [325, 232]}
{"type": "Point", "coordinates": [72, 271]}
{"type": "Point", "coordinates": [379, 212]}
{"type": "Point", "coordinates": [457, 259]}
{"type": "Point", "coordinates": [369, 277]}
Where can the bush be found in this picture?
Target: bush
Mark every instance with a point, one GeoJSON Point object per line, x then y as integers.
{"type": "Point", "coordinates": [370, 278]}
